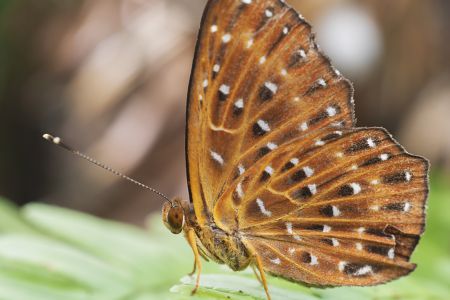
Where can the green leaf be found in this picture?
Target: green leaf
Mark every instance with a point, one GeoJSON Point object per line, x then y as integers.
{"type": "Point", "coordinates": [220, 286]}
{"type": "Point", "coordinates": [55, 258]}
{"type": "Point", "coordinates": [10, 220]}
{"type": "Point", "coordinates": [120, 245]}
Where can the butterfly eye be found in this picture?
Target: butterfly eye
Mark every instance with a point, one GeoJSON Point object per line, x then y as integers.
{"type": "Point", "coordinates": [173, 218]}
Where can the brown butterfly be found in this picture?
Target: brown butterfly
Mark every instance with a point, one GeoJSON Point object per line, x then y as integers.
{"type": "Point", "coordinates": [279, 177]}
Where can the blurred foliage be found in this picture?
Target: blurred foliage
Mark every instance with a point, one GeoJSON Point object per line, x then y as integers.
{"type": "Point", "coordinates": [49, 253]}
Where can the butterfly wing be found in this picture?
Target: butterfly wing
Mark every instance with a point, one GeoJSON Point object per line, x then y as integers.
{"type": "Point", "coordinates": [258, 81]}
{"type": "Point", "coordinates": [350, 212]}
{"type": "Point", "coordinates": [272, 154]}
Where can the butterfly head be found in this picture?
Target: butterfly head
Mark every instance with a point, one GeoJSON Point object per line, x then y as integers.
{"type": "Point", "coordinates": [173, 215]}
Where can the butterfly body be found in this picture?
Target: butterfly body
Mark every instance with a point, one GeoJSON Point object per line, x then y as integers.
{"type": "Point", "coordinates": [223, 247]}
{"type": "Point", "coordinates": [279, 177]}
{"type": "Point", "coordinates": [212, 242]}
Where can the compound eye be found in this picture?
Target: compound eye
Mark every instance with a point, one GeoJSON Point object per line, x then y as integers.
{"type": "Point", "coordinates": [175, 219]}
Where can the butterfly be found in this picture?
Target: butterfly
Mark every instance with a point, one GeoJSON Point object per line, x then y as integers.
{"type": "Point", "coordinates": [279, 177]}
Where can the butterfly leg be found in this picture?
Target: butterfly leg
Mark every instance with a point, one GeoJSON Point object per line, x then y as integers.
{"type": "Point", "coordinates": [193, 270]}
{"type": "Point", "coordinates": [256, 273]}
{"type": "Point", "coordinates": [197, 263]}
{"type": "Point", "coordinates": [262, 279]}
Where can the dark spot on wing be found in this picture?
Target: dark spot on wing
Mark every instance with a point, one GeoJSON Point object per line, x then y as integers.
{"type": "Point", "coordinates": [302, 194]}
{"type": "Point", "coordinates": [346, 190]}
{"type": "Point", "coordinates": [327, 211]}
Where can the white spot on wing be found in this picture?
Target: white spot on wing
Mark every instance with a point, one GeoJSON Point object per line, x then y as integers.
{"type": "Point", "coordinates": [304, 126]}
{"type": "Point", "coordinates": [262, 60]}
{"type": "Point", "coordinates": [268, 13]}
{"type": "Point", "coordinates": [239, 103]}
{"type": "Point", "coordinates": [249, 43]}
{"type": "Point", "coordinates": [263, 209]}
{"type": "Point", "coordinates": [320, 143]}
{"type": "Point", "coordinates": [331, 111]}
{"type": "Point", "coordinates": [289, 228]}
{"type": "Point", "coordinates": [359, 246]}
{"type": "Point", "coordinates": [361, 230]}
{"type": "Point", "coordinates": [312, 188]}
{"type": "Point", "coordinates": [269, 170]}
{"type": "Point", "coordinates": [356, 188]}
{"type": "Point", "coordinates": [341, 265]}
{"type": "Point", "coordinates": [326, 228]}
{"type": "Point", "coordinates": [226, 38]}
{"type": "Point", "coordinates": [214, 28]}
{"type": "Point", "coordinates": [302, 53]}
{"type": "Point", "coordinates": [217, 157]}
{"type": "Point", "coordinates": [291, 251]}
{"type": "Point", "coordinates": [363, 271]}
{"type": "Point", "coordinates": [241, 169]}
{"type": "Point", "coordinates": [225, 89]}
{"type": "Point", "coordinates": [384, 156]}
{"type": "Point", "coordinates": [336, 211]}
{"type": "Point", "coordinates": [276, 261]}
{"type": "Point", "coordinates": [375, 182]}
{"type": "Point", "coordinates": [205, 83]}
{"type": "Point", "coordinates": [272, 146]}
{"type": "Point", "coordinates": [263, 125]}
{"type": "Point", "coordinates": [295, 161]}
{"type": "Point", "coordinates": [308, 171]}
{"type": "Point", "coordinates": [283, 72]}
{"type": "Point", "coordinates": [314, 260]}
{"type": "Point", "coordinates": [408, 176]}
{"type": "Point", "coordinates": [407, 207]}
{"type": "Point", "coordinates": [271, 86]}
{"type": "Point", "coordinates": [216, 68]}
{"type": "Point", "coordinates": [371, 143]}
{"type": "Point", "coordinates": [335, 242]}
{"type": "Point", "coordinates": [391, 253]}
{"type": "Point", "coordinates": [239, 190]}
{"type": "Point", "coordinates": [247, 1]}
{"type": "Point", "coordinates": [322, 82]}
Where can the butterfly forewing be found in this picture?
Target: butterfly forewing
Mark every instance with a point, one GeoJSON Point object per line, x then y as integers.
{"type": "Point", "coordinates": [251, 58]}
{"type": "Point", "coordinates": [272, 153]}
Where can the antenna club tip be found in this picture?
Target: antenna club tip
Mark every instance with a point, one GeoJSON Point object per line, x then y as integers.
{"type": "Point", "coordinates": [51, 138]}
{"type": "Point", "coordinates": [47, 136]}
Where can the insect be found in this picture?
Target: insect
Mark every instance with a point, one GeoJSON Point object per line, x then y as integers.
{"type": "Point", "coordinates": [279, 177]}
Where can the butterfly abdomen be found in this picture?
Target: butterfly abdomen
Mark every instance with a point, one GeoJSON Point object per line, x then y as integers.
{"type": "Point", "coordinates": [223, 247]}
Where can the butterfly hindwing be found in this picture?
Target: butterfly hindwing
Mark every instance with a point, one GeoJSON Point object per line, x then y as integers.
{"type": "Point", "coordinates": [359, 213]}
{"type": "Point", "coordinates": [311, 263]}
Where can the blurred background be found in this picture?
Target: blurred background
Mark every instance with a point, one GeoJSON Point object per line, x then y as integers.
{"type": "Point", "coordinates": [111, 78]}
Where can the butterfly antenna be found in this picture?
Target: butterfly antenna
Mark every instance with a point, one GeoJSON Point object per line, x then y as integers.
{"type": "Point", "coordinates": [58, 142]}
